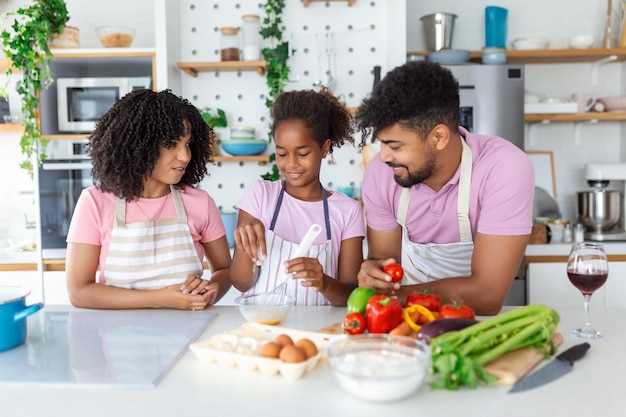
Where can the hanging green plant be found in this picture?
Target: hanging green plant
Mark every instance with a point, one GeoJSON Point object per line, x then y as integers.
{"type": "Point", "coordinates": [25, 43]}
{"type": "Point", "coordinates": [276, 55]}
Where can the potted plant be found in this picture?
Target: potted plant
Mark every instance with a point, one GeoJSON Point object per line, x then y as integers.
{"type": "Point", "coordinates": [215, 118]}
{"type": "Point", "coordinates": [25, 43]}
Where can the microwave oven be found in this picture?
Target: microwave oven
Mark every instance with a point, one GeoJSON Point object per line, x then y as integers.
{"type": "Point", "coordinates": [81, 101]}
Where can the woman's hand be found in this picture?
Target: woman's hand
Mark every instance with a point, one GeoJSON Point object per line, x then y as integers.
{"type": "Point", "coordinates": [308, 270]}
{"type": "Point", "coordinates": [250, 236]}
{"type": "Point", "coordinates": [198, 293]}
{"type": "Point", "coordinates": [371, 275]}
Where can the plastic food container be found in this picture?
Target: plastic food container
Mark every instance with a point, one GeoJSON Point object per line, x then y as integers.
{"type": "Point", "coordinates": [237, 349]}
{"type": "Point", "coordinates": [380, 367]}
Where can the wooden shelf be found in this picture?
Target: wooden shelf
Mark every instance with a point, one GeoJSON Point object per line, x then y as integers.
{"type": "Point", "coordinates": [193, 68]}
{"type": "Point", "coordinates": [261, 159]}
{"type": "Point", "coordinates": [11, 128]}
{"type": "Point", "coordinates": [549, 56]}
{"type": "Point", "coordinates": [616, 116]}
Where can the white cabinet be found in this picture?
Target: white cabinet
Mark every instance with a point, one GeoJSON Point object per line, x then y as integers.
{"type": "Point", "coordinates": [548, 284]}
{"type": "Point", "coordinates": [55, 288]}
{"type": "Point", "coordinates": [28, 279]}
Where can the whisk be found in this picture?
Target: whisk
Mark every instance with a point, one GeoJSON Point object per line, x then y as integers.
{"type": "Point", "coordinates": [277, 294]}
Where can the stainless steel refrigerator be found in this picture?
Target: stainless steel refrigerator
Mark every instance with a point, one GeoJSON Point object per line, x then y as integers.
{"type": "Point", "coordinates": [492, 99]}
{"type": "Point", "coordinates": [492, 103]}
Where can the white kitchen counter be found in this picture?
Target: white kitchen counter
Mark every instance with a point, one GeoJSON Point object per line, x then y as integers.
{"type": "Point", "coordinates": [563, 249]}
{"type": "Point", "coordinates": [194, 388]}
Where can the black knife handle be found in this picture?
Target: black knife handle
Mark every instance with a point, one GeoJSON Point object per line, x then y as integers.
{"type": "Point", "coordinates": [574, 353]}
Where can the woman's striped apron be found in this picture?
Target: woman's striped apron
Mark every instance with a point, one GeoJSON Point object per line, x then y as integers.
{"type": "Point", "coordinates": [151, 254]}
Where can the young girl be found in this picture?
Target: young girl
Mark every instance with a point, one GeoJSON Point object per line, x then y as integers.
{"type": "Point", "coordinates": [144, 225]}
{"type": "Point", "coordinates": [274, 216]}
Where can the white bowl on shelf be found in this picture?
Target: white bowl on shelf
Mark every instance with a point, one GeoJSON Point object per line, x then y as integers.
{"type": "Point", "coordinates": [581, 41]}
{"type": "Point", "coordinates": [530, 43]}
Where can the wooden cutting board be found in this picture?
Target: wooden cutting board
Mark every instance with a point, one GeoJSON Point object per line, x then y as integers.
{"type": "Point", "coordinates": [513, 366]}
{"type": "Point", "coordinates": [510, 367]}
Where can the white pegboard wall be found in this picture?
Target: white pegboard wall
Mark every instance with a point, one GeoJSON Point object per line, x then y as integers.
{"type": "Point", "coordinates": [357, 36]}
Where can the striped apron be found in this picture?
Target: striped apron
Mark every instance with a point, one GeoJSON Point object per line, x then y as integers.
{"type": "Point", "coordinates": [151, 254]}
{"type": "Point", "coordinates": [279, 250]}
{"type": "Point", "coordinates": [431, 261]}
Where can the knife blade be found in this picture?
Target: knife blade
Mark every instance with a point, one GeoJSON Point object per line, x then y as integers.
{"type": "Point", "coordinates": [561, 365]}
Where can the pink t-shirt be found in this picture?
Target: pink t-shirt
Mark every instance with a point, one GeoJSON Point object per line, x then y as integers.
{"type": "Point", "coordinates": [296, 216]}
{"type": "Point", "coordinates": [501, 195]}
{"type": "Point", "coordinates": [92, 221]}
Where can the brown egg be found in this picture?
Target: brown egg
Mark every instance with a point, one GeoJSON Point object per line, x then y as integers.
{"type": "Point", "coordinates": [284, 340]}
{"type": "Point", "coordinates": [270, 350]}
{"type": "Point", "coordinates": [292, 354]}
{"type": "Point", "coordinates": [308, 347]}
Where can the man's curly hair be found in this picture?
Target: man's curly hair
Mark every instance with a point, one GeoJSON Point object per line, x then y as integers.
{"type": "Point", "coordinates": [418, 95]}
{"type": "Point", "coordinates": [124, 147]}
{"type": "Point", "coordinates": [320, 111]}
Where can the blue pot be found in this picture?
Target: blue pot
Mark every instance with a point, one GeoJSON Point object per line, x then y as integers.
{"type": "Point", "coordinates": [13, 313]}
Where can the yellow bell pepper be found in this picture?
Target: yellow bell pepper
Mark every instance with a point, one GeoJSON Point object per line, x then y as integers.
{"type": "Point", "coordinates": [425, 315]}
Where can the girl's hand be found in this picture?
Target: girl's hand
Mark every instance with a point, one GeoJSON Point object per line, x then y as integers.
{"type": "Point", "coordinates": [194, 285]}
{"type": "Point", "coordinates": [250, 236]}
{"type": "Point", "coordinates": [308, 270]}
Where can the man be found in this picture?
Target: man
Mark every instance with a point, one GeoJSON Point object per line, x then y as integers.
{"type": "Point", "coordinates": [453, 207]}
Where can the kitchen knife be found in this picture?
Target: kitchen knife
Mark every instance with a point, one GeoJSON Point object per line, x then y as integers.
{"type": "Point", "coordinates": [561, 365]}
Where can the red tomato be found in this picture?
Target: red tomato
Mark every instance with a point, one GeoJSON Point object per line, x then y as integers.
{"type": "Point", "coordinates": [354, 323]}
{"type": "Point", "coordinates": [395, 271]}
{"type": "Point", "coordinates": [425, 298]}
{"type": "Point", "coordinates": [456, 310]}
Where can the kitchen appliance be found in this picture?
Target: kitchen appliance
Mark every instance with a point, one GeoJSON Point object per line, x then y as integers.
{"type": "Point", "coordinates": [492, 99]}
{"type": "Point", "coordinates": [560, 366]}
{"type": "Point", "coordinates": [81, 101]}
{"type": "Point", "coordinates": [602, 211]}
{"type": "Point", "coordinates": [62, 176]}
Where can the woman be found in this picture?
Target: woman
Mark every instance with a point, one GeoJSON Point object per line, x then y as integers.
{"type": "Point", "coordinates": [144, 225]}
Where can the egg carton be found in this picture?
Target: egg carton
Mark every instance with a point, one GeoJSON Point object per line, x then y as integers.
{"type": "Point", "coordinates": [238, 347]}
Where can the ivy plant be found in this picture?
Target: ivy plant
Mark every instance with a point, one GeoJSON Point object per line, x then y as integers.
{"type": "Point", "coordinates": [276, 55]}
{"type": "Point", "coordinates": [25, 43]}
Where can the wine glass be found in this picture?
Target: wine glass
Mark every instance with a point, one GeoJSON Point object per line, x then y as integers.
{"type": "Point", "coordinates": [587, 269]}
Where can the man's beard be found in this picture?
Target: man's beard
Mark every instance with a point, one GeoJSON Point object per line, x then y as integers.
{"type": "Point", "coordinates": [413, 178]}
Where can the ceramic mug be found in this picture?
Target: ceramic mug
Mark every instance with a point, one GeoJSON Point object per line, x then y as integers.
{"type": "Point", "coordinates": [585, 102]}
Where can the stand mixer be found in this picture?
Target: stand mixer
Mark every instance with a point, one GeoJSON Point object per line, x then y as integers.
{"type": "Point", "coordinates": [602, 211]}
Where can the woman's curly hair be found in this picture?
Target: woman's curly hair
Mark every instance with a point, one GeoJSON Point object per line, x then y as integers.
{"type": "Point", "coordinates": [324, 116]}
{"type": "Point", "coordinates": [124, 147]}
{"type": "Point", "coordinates": [418, 95]}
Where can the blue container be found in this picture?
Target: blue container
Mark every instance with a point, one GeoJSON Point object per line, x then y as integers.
{"type": "Point", "coordinates": [230, 223]}
{"type": "Point", "coordinates": [495, 26]}
{"type": "Point", "coordinates": [13, 313]}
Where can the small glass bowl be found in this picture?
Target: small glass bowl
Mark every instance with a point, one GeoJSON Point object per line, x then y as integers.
{"type": "Point", "coordinates": [115, 36]}
{"type": "Point", "coordinates": [265, 308]}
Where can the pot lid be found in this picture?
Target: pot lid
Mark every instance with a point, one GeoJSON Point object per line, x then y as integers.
{"type": "Point", "coordinates": [9, 294]}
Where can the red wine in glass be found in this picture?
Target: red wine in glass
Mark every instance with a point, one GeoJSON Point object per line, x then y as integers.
{"type": "Point", "coordinates": [587, 269]}
{"type": "Point", "coordinates": [588, 283]}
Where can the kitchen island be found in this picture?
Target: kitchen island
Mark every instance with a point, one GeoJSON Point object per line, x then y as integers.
{"type": "Point", "coordinates": [195, 388]}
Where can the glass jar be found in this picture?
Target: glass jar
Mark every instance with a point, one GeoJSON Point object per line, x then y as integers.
{"type": "Point", "coordinates": [251, 38]}
{"type": "Point", "coordinates": [229, 43]}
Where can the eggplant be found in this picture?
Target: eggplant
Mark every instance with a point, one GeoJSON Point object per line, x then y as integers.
{"type": "Point", "coordinates": [437, 327]}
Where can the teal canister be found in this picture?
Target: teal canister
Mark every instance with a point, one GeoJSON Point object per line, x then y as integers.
{"type": "Point", "coordinates": [495, 26]}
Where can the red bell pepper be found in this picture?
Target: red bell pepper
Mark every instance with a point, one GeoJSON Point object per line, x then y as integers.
{"type": "Point", "coordinates": [354, 323]}
{"type": "Point", "coordinates": [383, 313]}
